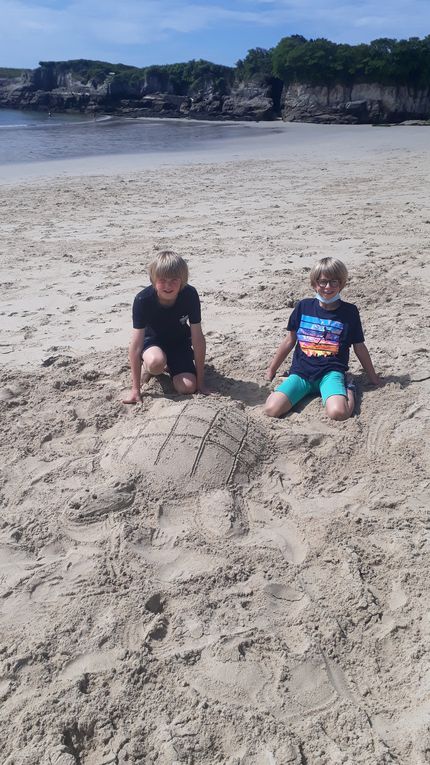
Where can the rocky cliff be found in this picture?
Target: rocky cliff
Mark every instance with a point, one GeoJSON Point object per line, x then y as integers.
{"type": "Point", "coordinates": [151, 93]}
{"type": "Point", "coordinates": [358, 104]}
{"type": "Point", "coordinates": [50, 88]}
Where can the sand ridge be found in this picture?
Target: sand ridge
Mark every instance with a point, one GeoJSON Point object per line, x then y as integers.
{"type": "Point", "coordinates": [275, 613]}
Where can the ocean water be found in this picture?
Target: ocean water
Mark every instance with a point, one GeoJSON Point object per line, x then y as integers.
{"type": "Point", "coordinates": [36, 137]}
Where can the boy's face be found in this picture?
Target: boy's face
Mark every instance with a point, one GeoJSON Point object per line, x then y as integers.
{"type": "Point", "coordinates": [167, 289]}
{"type": "Point", "coordinates": [327, 287]}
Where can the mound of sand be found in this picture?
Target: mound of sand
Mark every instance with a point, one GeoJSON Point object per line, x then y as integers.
{"type": "Point", "coordinates": [192, 446]}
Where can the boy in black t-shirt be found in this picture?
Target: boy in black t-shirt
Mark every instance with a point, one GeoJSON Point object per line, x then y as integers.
{"type": "Point", "coordinates": [321, 329]}
{"type": "Point", "coordinates": [167, 329]}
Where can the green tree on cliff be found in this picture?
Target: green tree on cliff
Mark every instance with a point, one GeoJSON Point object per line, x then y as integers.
{"type": "Point", "coordinates": [321, 62]}
{"type": "Point", "coordinates": [257, 64]}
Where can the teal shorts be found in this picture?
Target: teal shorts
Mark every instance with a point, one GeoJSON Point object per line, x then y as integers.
{"type": "Point", "coordinates": [296, 388]}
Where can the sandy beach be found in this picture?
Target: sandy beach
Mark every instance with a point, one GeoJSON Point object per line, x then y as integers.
{"type": "Point", "coordinates": [187, 581]}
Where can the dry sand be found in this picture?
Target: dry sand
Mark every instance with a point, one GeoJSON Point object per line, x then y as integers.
{"type": "Point", "coordinates": [187, 581]}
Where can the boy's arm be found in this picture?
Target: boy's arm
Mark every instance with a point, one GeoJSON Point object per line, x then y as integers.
{"type": "Point", "coordinates": [363, 356]}
{"type": "Point", "coordinates": [281, 354]}
{"type": "Point", "coordinates": [135, 358]}
{"type": "Point", "coordinates": [199, 346]}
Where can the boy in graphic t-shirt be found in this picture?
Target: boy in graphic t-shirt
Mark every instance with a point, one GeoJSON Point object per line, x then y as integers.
{"type": "Point", "coordinates": [321, 329]}
{"type": "Point", "coordinates": [167, 329]}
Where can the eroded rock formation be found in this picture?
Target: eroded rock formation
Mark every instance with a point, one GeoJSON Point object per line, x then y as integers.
{"type": "Point", "coordinates": [362, 103]}
{"type": "Point", "coordinates": [46, 88]}
{"type": "Point", "coordinates": [51, 87]}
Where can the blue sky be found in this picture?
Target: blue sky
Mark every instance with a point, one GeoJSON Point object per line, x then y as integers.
{"type": "Point", "coordinates": [143, 32]}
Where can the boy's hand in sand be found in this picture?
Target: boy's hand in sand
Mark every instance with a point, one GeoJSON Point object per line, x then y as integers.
{"type": "Point", "coordinates": [270, 374]}
{"type": "Point", "coordinates": [204, 390]}
{"type": "Point", "coordinates": [133, 398]}
{"type": "Point", "coordinates": [377, 381]}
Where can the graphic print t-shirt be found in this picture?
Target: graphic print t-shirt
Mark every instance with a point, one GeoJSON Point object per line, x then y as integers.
{"type": "Point", "coordinates": [323, 337]}
{"type": "Point", "coordinates": [170, 324]}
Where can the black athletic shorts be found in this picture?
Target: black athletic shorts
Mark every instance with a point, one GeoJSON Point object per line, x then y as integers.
{"type": "Point", "coordinates": [180, 357]}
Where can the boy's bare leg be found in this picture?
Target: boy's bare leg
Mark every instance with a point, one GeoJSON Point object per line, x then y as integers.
{"type": "Point", "coordinates": [185, 383]}
{"type": "Point", "coordinates": [153, 363]}
{"type": "Point", "coordinates": [277, 404]}
{"type": "Point", "coordinates": [341, 407]}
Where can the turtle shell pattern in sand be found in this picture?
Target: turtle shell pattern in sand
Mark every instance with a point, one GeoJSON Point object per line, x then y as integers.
{"type": "Point", "coordinates": [193, 445]}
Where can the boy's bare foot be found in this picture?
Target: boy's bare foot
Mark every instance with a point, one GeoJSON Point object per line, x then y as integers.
{"type": "Point", "coordinates": [351, 393]}
{"type": "Point", "coordinates": [145, 377]}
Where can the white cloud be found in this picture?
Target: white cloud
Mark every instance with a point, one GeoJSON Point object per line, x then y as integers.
{"type": "Point", "coordinates": [129, 29]}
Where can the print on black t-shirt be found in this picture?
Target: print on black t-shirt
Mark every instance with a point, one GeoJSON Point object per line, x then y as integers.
{"type": "Point", "coordinates": [323, 337]}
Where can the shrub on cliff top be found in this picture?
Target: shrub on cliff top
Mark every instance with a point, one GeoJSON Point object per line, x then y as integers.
{"type": "Point", "coordinates": [257, 65]}
{"type": "Point", "coordinates": [321, 62]}
{"type": "Point", "coordinates": [7, 73]}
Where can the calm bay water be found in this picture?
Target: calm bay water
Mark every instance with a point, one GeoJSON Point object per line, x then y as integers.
{"type": "Point", "coordinates": [36, 137]}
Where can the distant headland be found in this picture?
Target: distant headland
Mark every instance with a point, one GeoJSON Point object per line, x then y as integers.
{"type": "Point", "coordinates": [385, 81]}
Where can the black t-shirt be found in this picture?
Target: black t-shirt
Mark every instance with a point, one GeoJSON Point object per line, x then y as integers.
{"type": "Point", "coordinates": [170, 324]}
{"type": "Point", "coordinates": [323, 337]}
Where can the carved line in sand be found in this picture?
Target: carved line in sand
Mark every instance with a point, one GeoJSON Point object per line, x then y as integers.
{"type": "Point", "coordinates": [205, 439]}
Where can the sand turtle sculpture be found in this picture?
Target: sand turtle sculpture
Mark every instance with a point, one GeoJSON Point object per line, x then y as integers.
{"type": "Point", "coordinates": [188, 446]}
{"type": "Point", "coordinates": [192, 457]}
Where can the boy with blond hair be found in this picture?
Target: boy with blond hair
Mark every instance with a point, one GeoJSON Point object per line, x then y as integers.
{"type": "Point", "coordinates": [321, 330]}
{"type": "Point", "coordinates": [167, 332]}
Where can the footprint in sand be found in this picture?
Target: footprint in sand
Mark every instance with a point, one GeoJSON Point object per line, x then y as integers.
{"type": "Point", "coordinates": [278, 536]}
{"type": "Point", "coordinates": [233, 672]}
{"type": "Point", "coordinates": [99, 661]}
{"type": "Point", "coordinates": [217, 514]}
{"type": "Point", "coordinates": [310, 687]}
{"type": "Point", "coordinates": [37, 584]}
{"type": "Point", "coordinates": [276, 754]}
{"type": "Point", "coordinates": [315, 684]}
{"type": "Point", "coordinates": [72, 570]}
{"type": "Point", "coordinates": [15, 566]}
{"type": "Point", "coordinates": [137, 632]}
{"type": "Point", "coordinates": [280, 597]}
{"type": "Point", "coordinates": [172, 563]}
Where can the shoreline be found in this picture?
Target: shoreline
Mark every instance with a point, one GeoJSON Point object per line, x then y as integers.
{"type": "Point", "coordinates": [285, 140]}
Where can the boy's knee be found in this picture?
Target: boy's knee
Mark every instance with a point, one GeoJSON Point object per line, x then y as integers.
{"type": "Point", "coordinates": [155, 366]}
{"type": "Point", "coordinates": [184, 385]}
{"type": "Point", "coordinates": [338, 412]}
{"type": "Point", "coordinates": [154, 361]}
{"type": "Point", "coordinates": [273, 406]}
{"type": "Point", "coordinates": [270, 409]}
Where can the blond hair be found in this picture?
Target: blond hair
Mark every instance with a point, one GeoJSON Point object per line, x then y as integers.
{"type": "Point", "coordinates": [332, 269]}
{"type": "Point", "coordinates": [168, 265]}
